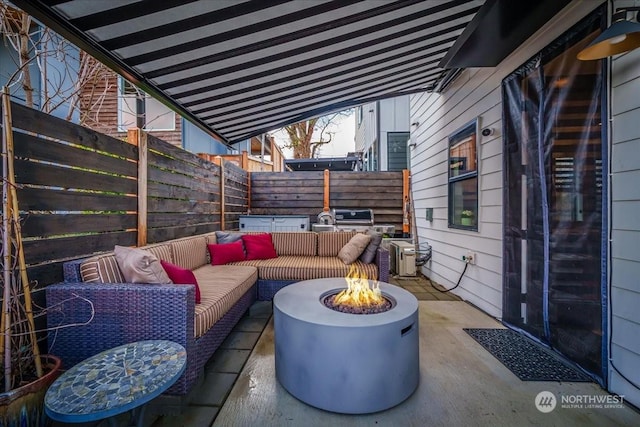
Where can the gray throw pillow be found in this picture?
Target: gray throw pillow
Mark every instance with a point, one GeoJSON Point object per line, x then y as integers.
{"type": "Point", "coordinates": [369, 254]}
{"type": "Point", "coordinates": [140, 266]}
{"type": "Point", "coordinates": [352, 250]}
{"type": "Point", "coordinates": [225, 237]}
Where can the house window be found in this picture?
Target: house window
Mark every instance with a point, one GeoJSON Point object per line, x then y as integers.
{"type": "Point", "coordinates": [157, 116]}
{"type": "Point", "coordinates": [359, 115]}
{"type": "Point", "coordinates": [397, 150]}
{"type": "Point", "coordinates": [463, 178]}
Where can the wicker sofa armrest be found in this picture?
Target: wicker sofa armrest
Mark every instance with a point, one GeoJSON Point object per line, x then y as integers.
{"type": "Point", "coordinates": [382, 261]}
{"type": "Point", "coordinates": [85, 319]}
{"type": "Point", "coordinates": [71, 270]}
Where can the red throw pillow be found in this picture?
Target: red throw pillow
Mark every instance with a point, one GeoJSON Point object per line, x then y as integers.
{"type": "Point", "coordinates": [181, 276]}
{"type": "Point", "coordinates": [225, 253]}
{"type": "Point", "coordinates": [259, 246]}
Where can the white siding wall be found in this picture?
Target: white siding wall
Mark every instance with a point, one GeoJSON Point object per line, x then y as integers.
{"type": "Point", "coordinates": [394, 117]}
{"type": "Point", "coordinates": [366, 131]}
{"type": "Point", "coordinates": [625, 225]}
{"type": "Point", "coordinates": [476, 93]}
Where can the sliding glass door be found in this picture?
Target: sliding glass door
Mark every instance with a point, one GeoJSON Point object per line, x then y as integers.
{"type": "Point", "coordinates": [554, 198]}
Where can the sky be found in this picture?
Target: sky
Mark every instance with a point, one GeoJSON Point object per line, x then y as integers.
{"type": "Point", "coordinates": [343, 140]}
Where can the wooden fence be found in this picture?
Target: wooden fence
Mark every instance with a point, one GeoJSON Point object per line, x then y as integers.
{"type": "Point", "coordinates": [309, 193]}
{"type": "Point", "coordinates": [79, 191]}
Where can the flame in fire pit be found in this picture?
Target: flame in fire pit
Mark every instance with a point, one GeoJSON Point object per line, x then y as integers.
{"type": "Point", "coordinates": [358, 292]}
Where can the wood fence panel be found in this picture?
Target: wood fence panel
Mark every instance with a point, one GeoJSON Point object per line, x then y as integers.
{"type": "Point", "coordinates": [158, 189]}
{"type": "Point", "coordinates": [236, 195]}
{"type": "Point", "coordinates": [44, 199]}
{"type": "Point", "coordinates": [63, 153]}
{"type": "Point", "coordinates": [290, 193]}
{"type": "Point", "coordinates": [183, 193]}
{"type": "Point", "coordinates": [171, 219]}
{"type": "Point", "coordinates": [47, 225]}
{"type": "Point", "coordinates": [76, 191]}
{"type": "Point", "coordinates": [43, 250]}
{"type": "Point", "coordinates": [41, 123]}
{"type": "Point", "coordinates": [379, 191]}
{"type": "Point", "coordinates": [302, 193]}
{"type": "Point", "coordinates": [41, 174]}
{"type": "Point", "coordinates": [162, 234]}
{"type": "Point", "coordinates": [203, 176]}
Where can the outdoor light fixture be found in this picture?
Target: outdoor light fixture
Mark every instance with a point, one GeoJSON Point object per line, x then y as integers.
{"type": "Point", "coordinates": [621, 36]}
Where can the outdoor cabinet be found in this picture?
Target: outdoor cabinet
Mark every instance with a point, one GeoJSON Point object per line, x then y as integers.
{"type": "Point", "coordinates": [271, 223]}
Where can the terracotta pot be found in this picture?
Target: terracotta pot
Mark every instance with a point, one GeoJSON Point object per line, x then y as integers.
{"type": "Point", "coordinates": [24, 406]}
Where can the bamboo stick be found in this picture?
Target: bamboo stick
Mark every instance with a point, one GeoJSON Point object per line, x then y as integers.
{"type": "Point", "coordinates": [14, 211]}
{"type": "Point", "coordinates": [5, 340]}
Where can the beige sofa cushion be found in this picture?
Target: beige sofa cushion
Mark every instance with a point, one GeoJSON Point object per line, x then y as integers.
{"type": "Point", "coordinates": [291, 267]}
{"type": "Point", "coordinates": [101, 269]}
{"type": "Point", "coordinates": [330, 243]}
{"type": "Point", "coordinates": [295, 243]}
{"type": "Point", "coordinates": [221, 286]}
{"type": "Point", "coordinates": [161, 251]}
{"type": "Point", "coordinates": [211, 238]}
{"type": "Point", "coordinates": [189, 252]}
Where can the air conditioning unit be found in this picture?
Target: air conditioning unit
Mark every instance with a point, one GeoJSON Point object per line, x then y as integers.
{"type": "Point", "coordinates": [403, 258]}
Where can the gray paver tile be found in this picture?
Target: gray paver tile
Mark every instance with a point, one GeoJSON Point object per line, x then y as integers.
{"type": "Point", "coordinates": [251, 324]}
{"type": "Point", "coordinates": [215, 389]}
{"type": "Point", "coordinates": [227, 360]}
{"type": "Point", "coordinates": [241, 340]}
{"type": "Point", "coordinates": [193, 416]}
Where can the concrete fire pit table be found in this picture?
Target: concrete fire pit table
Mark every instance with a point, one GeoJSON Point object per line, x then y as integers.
{"type": "Point", "coordinates": [342, 362]}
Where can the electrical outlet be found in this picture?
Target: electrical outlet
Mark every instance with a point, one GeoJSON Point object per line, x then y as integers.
{"type": "Point", "coordinates": [470, 258]}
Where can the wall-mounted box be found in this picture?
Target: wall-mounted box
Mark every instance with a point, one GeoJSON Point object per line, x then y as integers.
{"type": "Point", "coordinates": [429, 214]}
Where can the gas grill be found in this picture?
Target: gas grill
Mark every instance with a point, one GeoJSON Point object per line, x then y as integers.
{"type": "Point", "coordinates": [361, 219]}
{"type": "Point", "coordinates": [340, 219]}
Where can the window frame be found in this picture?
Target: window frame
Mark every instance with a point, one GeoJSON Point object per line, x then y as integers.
{"type": "Point", "coordinates": [468, 130]}
{"type": "Point", "coordinates": [124, 92]}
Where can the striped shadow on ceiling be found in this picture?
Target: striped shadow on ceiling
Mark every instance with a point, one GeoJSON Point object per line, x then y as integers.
{"type": "Point", "coordinates": [242, 68]}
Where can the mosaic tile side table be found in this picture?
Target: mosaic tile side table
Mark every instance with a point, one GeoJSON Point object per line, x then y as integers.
{"type": "Point", "coordinates": [115, 381]}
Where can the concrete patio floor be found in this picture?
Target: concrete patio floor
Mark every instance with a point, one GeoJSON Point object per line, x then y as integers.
{"type": "Point", "coordinates": [460, 382]}
{"type": "Point", "coordinates": [225, 366]}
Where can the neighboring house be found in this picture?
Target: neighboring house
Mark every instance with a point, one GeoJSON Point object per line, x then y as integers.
{"type": "Point", "coordinates": [259, 154]}
{"type": "Point", "coordinates": [534, 166]}
{"type": "Point", "coordinates": [119, 109]}
{"type": "Point", "coordinates": [382, 134]}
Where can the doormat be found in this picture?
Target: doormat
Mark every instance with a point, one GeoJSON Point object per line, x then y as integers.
{"type": "Point", "coordinates": [528, 360]}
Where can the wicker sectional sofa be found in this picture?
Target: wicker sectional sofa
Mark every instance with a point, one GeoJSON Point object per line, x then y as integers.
{"type": "Point", "coordinates": [127, 312]}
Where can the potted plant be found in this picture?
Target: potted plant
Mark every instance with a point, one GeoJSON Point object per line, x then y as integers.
{"type": "Point", "coordinates": [25, 374]}
{"type": "Point", "coordinates": [466, 217]}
